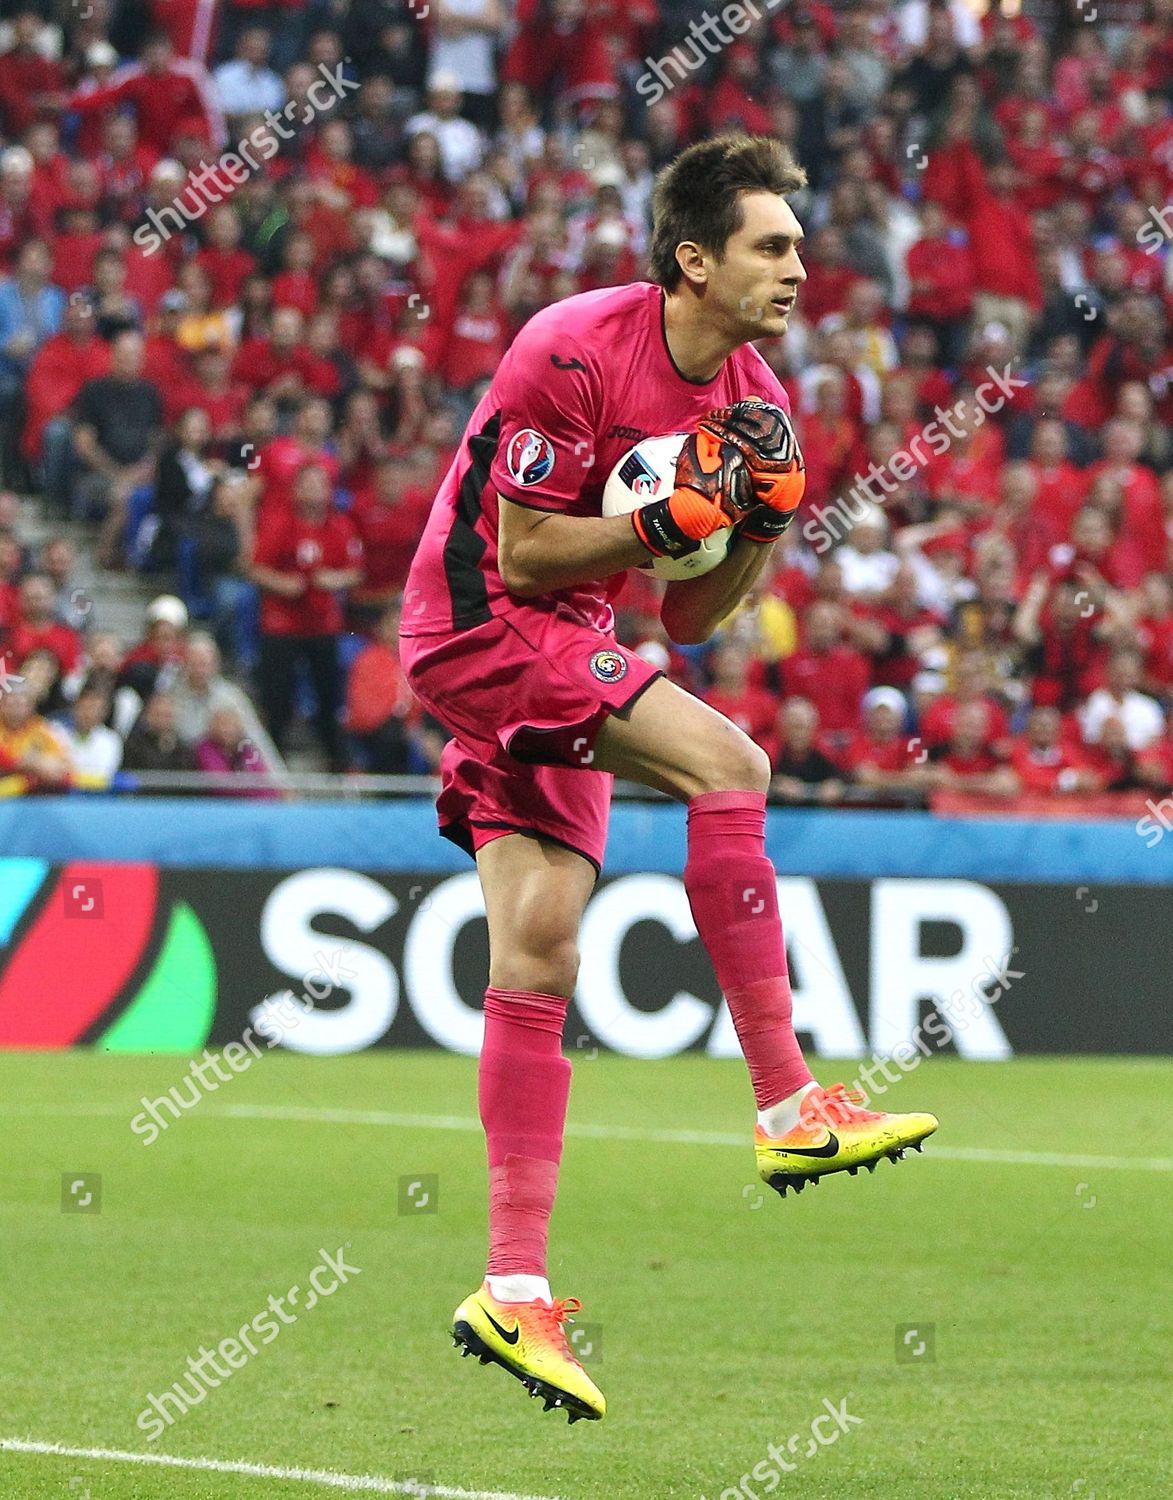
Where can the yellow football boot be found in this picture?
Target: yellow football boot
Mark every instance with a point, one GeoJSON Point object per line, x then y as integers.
{"type": "Point", "coordinates": [526, 1339]}
{"type": "Point", "coordinates": [835, 1134]}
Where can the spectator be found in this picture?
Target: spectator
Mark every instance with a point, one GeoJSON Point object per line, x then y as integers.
{"type": "Point", "coordinates": [247, 85]}
{"type": "Point", "coordinates": [32, 756]}
{"type": "Point", "coordinates": [31, 310]}
{"type": "Point", "coordinates": [302, 562]}
{"type": "Point", "coordinates": [118, 424]}
{"type": "Point", "coordinates": [802, 772]}
{"type": "Point", "coordinates": [731, 693]}
{"type": "Point", "coordinates": [153, 665]}
{"type": "Point", "coordinates": [226, 749]}
{"type": "Point", "coordinates": [1120, 698]}
{"type": "Point", "coordinates": [36, 628]}
{"type": "Point", "coordinates": [154, 744]}
{"type": "Point", "coordinates": [459, 141]}
{"type": "Point", "coordinates": [169, 95]}
{"type": "Point", "coordinates": [379, 705]}
{"type": "Point", "coordinates": [1044, 762]}
{"type": "Point", "coordinates": [833, 675]}
{"type": "Point", "coordinates": [31, 82]}
{"type": "Point", "coordinates": [201, 690]}
{"type": "Point", "coordinates": [390, 517]}
{"type": "Point", "coordinates": [1114, 764]}
{"type": "Point", "coordinates": [881, 755]}
{"type": "Point", "coordinates": [183, 489]}
{"type": "Point", "coordinates": [867, 565]}
{"type": "Point", "coordinates": [966, 762]}
{"type": "Point", "coordinates": [94, 749]}
{"type": "Point", "coordinates": [59, 370]}
{"type": "Point", "coordinates": [72, 606]}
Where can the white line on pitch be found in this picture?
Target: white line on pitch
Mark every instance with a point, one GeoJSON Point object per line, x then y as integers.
{"type": "Point", "coordinates": [369, 1484]}
{"type": "Point", "coordinates": [298, 1113]}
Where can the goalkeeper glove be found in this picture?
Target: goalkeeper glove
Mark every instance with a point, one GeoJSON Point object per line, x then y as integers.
{"type": "Point", "coordinates": [762, 433]}
{"type": "Point", "coordinates": [712, 491]}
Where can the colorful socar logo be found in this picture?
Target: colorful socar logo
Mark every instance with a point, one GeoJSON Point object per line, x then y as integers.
{"type": "Point", "coordinates": [87, 956]}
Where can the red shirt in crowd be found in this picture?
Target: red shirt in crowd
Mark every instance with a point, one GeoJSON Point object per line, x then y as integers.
{"type": "Point", "coordinates": [389, 535]}
{"type": "Point", "coordinates": [938, 719]}
{"type": "Point", "coordinates": [1045, 770]}
{"type": "Point", "coordinates": [289, 544]}
{"type": "Point", "coordinates": [65, 644]}
{"type": "Point", "coordinates": [276, 467]}
{"type": "Point", "coordinates": [834, 681]}
{"type": "Point", "coordinates": [59, 369]}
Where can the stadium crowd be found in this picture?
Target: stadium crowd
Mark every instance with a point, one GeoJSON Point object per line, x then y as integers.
{"type": "Point", "coordinates": [259, 259]}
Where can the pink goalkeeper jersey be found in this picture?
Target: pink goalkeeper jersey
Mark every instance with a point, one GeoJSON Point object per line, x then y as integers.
{"type": "Point", "coordinates": [582, 382]}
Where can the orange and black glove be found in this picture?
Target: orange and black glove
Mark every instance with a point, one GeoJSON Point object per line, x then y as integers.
{"type": "Point", "coordinates": [762, 433]}
{"type": "Point", "coordinates": [713, 490]}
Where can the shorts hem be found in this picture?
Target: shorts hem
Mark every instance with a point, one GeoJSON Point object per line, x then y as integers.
{"type": "Point", "coordinates": [536, 833]}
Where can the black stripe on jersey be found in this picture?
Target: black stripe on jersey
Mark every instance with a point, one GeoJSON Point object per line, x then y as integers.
{"type": "Point", "coordinates": [464, 548]}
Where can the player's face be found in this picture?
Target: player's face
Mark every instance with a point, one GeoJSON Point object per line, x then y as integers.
{"type": "Point", "coordinates": [754, 285]}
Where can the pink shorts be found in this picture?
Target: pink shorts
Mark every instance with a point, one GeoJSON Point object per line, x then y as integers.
{"type": "Point", "coordinates": [524, 695]}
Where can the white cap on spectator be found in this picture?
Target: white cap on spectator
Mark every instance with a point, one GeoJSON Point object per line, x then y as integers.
{"type": "Point", "coordinates": [872, 516]}
{"type": "Point", "coordinates": [610, 234]}
{"type": "Point", "coordinates": [929, 682]}
{"type": "Point", "coordinates": [101, 55]}
{"type": "Point", "coordinates": [445, 81]}
{"type": "Point", "coordinates": [607, 174]}
{"type": "Point", "coordinates": [407, 357]}
{"type": "Point", "coordinates": [887, 697]}
{"type": "Point", "coordinates": [167, 607]}
{"type": "Point", "coordinates": [167, 167]}
{"type": "Point", "coordinates": [16, 159]}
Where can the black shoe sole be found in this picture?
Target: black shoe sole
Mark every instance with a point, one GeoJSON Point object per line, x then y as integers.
{"type": "Point", "coordinates": [780, 1181]}
{"type": "Point", "coordinates": [468, 1341]}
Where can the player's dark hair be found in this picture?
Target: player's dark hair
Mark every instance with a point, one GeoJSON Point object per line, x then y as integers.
{"type": "Point", "coordinates": [698, 195]}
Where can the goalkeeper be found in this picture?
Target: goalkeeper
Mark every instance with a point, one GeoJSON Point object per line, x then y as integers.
{"type": "Point", "coordinates": [507, 637]}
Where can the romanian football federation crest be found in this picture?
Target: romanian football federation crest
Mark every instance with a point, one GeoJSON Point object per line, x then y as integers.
{"type": "Point", "coordinates": [530, 456]}
{"type": "Point", "coordinates": [608, 666]}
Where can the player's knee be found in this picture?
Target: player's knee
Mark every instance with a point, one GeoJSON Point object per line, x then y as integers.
{"type": "Point", "coordinates": [740, 765]}
{"type": "Point", "coordinates": [551, 969]}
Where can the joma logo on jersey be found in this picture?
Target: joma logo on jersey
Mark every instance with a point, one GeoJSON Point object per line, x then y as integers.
{"type": "Point", "coordinates": [628, 434]}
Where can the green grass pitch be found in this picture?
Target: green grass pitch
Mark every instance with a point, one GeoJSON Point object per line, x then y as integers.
{"type": "Point", "coordinates": [1038, 1293]}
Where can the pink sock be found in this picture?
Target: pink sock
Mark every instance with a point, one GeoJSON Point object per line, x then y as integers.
{"type": "Point", "coordinates": [523, 1088]}
{"type": "Point", "coordinates": [734, 901]}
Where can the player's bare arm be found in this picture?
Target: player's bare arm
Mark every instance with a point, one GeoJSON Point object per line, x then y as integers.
{"type": "Point", "coordinates": [541, 551]}
{"type": "Point", "coordinates": [694, 607]}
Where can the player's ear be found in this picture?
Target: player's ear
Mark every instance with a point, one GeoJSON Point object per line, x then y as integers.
{"type": "Point", "coordinates": [693, 262]}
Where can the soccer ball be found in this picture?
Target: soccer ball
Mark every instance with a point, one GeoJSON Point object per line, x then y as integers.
{"type": "Point", "coordinates": [646, 473]}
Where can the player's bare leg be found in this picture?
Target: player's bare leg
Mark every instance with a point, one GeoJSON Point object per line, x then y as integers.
{"type": "Point", "coordinates": [535, 892]}
{"type": "Point", "coordinates": [674, 742]}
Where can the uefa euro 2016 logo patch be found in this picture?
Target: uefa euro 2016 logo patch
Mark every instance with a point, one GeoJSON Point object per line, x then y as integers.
{"type": "Point", "coordinates": [530, 456]}
{"type": "Point", "coordinates": [608, 666]}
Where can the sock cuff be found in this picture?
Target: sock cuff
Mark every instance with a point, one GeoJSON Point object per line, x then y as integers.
{"type": "Point", "coordinates": [719, 802]}
{"type": "Point", "coordinates": [527, 1009]}
{"type": "Point", "coordinates": [717, 814]}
